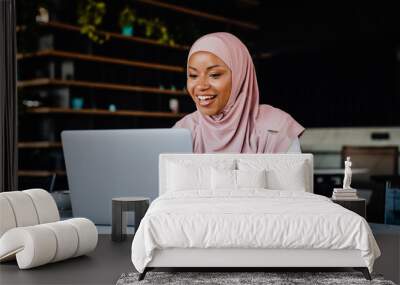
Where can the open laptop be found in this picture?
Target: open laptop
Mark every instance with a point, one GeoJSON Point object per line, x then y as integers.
{"type": "Point", "coordinates": [103, 164]}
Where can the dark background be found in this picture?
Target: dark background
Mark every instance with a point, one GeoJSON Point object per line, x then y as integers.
{"type": "Point", "coordinates": [328, 65]}
{"type": "Point", "coordinates": [334, 65]}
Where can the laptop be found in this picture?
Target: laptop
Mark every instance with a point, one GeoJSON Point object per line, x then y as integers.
{"type": "Point", "coordinates": [103, 164]}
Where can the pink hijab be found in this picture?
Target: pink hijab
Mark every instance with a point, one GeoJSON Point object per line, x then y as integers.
{"type": "Point", "coordinates": [243, 126]}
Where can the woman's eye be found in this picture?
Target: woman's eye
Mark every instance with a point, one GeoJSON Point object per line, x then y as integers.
{"type": "Point", "coordinates": [215, 75]}
{"type": "Point", "coordinates": [192, 75]}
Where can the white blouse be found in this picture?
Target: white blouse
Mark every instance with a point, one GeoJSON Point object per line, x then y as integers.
{"type": "Point", "coordinates": [294, 147]}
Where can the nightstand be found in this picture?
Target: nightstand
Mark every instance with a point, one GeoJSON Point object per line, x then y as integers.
{"type": "Point", "coordinates": [122, 205]}
{"type": "Point", "coordinates": [358, 205]}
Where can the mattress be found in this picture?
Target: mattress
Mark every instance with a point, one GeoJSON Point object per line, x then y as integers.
{"type": "Point", "coordinates": [251, 219]}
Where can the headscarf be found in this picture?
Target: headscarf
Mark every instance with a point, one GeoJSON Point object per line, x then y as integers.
{"type": "Point", "coordinates": [243, 126]}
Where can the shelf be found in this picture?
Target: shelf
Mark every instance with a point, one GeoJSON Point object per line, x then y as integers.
{"type": "Point", "coordinates": [111, 35]}
{"type": "Point", "coordinates": [104, 90]}
{"type": "Point", "coordinates": [250, 2]}
{"type": "Point", "coordinates": [97, 85]}
{"type": "Point", "coordinates": [201, 14]}
{"type": "Point", "coordinates": [96, 58]}
{"type": "Point", "coordinates": [265, 55]}
{"type": "Point", "coordinates": [39, 144]}
{"type": "Point", "coordinates": [102, 112]}
{"type": "Point", "coordinates": [40, 173]}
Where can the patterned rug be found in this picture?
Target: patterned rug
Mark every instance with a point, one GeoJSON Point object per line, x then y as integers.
{"type": "Point", "coordinates": [230, 278]}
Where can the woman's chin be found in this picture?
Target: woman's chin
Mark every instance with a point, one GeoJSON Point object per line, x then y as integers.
{"type": "Point", "coordinates": [208, 111]}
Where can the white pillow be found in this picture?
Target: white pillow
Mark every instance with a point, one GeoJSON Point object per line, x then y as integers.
{"type": "Point", "coordinates": [223, 179]}
{"type": "Point", "coordinates": [193, 175]}
{"type": "Point", "coordinates": [283, 174]}
{"type": "Point", "coordinates": [251, 178]}
{"type": "Point", "coordinates": [237, 179]}
{"type": "Point", "coordinates": [189, 177]}
{"type": "Point", "coordinates": [293, 179]}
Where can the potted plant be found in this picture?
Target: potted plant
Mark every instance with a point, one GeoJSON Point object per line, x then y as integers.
{"type": "Point", "coordinates": [90, 16]}
{"type": "Point", "coordinates": [164, 35]}
{"type": "Point", "coordinates": [127, 18]}
{"type": "Point", "coordinates": [150, 26]}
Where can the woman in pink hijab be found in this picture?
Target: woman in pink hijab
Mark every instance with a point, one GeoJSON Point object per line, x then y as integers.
{"type": "Point", "coordinates": [221, 79]}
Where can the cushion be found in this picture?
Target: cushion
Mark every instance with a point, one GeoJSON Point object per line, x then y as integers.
{"type": "Point", "coordinates": [23, 208]}
{"type": "Point", "coordinates": [45, 205]}
{"type": "Point", "coordinates": [193, 175]}
{"type": "Point", "coordinates": [26, 208]}
{"type": "Point", "coordinates": [40, 244]}
{"type": "Point", "coordinates": [237, 179]}
{"type": "Point", "coordinates": [251, 178]}
{"type": "Point", "coordinates": [67, 239]}
{"type": "Point", "coordinates": [292, 179]}
{"type": "Point", "coordinates": [223, 179]}
{"type": "Point", "coordinates": [284, 174]}
{"type": "Point", "coordinates": [7, 218]}
{"type": "Point", "coordinates": [34, 244]}
{"type": "Point", "coordinates": [87, 235]}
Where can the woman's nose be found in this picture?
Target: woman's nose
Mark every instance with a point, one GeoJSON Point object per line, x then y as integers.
{"type": "Point", "coordinates": [202, 84]}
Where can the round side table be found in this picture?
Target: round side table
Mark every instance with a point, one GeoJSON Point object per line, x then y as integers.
{"type": "Point", "coordinates": [120, 207]}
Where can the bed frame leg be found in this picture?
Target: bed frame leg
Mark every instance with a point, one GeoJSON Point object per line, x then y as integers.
{"type": "Point", "coordinates": [143, 274]}
{"type": "Point", "coordinates": [364, 271]}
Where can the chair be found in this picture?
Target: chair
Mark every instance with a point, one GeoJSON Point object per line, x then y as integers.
{"type": "Point", "coordinates": [31, 231]}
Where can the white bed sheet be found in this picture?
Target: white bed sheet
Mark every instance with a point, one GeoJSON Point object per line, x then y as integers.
{"type": "Point", "coordinates": [251, 218]}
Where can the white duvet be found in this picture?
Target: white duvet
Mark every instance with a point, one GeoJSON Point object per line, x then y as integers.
{"type": "Point", "coordinates": [250, 219]}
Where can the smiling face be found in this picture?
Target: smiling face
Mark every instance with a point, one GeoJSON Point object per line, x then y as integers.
{"type": "Point", "coordinates": [209, 82]}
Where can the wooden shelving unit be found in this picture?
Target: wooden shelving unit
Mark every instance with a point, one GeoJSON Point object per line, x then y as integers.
{"type": "Point", "coordinates": [99, 112]}
{"type": "Point", "coordinates": [69, 66]}
{"type": "Point", "coordinates": [97, 58]}
{"type": "Point", "coordinates": [110, 35]}
{"type": "Point", "coordinates": [40, 173]}
{"type": "Point", "coordinates": [201, 14]}
{"type": "Point", "coordinates": [39, 144]}
{"type": "Point", "coordinates": [41, 82]}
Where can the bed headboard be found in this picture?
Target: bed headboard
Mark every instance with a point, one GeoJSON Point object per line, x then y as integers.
{"type": "Point", "coordinates": [275, 160]}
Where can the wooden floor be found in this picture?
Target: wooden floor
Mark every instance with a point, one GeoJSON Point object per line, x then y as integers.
{"type": "Point", "coordinates": [103, 266]}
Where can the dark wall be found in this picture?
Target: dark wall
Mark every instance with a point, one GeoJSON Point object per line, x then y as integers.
{"type": "Point", "coordinates": [331, 66]}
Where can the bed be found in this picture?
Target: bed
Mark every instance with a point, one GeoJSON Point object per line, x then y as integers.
{"type": "Point", "coordinates": [246, 211]}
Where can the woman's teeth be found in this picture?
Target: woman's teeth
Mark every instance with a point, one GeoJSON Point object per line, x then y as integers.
{"type": "Point", "coordinates": [205, 97]}
{"type": "Point", "coordinates": [206, 100]}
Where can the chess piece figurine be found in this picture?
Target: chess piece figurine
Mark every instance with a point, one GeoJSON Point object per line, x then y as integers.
{"type": "Point", "coordinates": [347, 174]}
